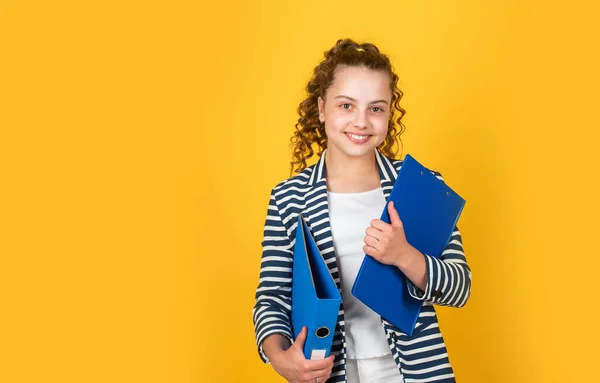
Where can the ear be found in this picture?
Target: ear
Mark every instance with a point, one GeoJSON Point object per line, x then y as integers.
{"type": "Point", "coordinates": [321, 106]}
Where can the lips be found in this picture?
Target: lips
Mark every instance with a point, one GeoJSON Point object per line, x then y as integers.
{"type": "Point", "coordinates": [358, 138]}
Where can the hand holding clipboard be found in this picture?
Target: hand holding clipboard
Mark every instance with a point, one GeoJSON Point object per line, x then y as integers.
{"type": "Point", "coordinates": [429, 210]}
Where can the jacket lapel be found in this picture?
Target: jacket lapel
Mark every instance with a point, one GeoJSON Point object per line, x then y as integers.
{"type": "Point", "coordinates": [316, 215]}
{"type": "Point", "coordinates": [387, 173]}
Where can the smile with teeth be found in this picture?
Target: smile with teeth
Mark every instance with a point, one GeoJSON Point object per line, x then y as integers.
{"type": "Point", "coordinates": [358, 138]}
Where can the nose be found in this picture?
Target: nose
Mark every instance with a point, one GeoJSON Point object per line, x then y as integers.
{"type": "Point", "coordinates": [360, 119]}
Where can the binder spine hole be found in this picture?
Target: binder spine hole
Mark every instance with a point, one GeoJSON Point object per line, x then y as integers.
{"type": "Point", "coordinates": [322, 332]}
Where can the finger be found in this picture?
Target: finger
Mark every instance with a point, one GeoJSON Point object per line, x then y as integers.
{"type": "Point", "coordinates": [322, 378]}
{"type": "Point", "coordinates": [370, 241]}
{"type": "Point", "coordinates": [299, 343]}
{"type": "Point", "coordinates": [321, 374]}
{"type": "Point", "coordinates": [394, 217]}
{"type": "Point", "coordinates": [371, 231]}
{"type": "Point", "coordinates": [369, 250]}
{"type": "Point", "coordinates": [320, 365]}
{"type": "Point", "coordinates": [379, 224]}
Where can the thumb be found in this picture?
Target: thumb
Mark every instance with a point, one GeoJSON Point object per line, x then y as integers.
{"type": "Point", "coordinates": [394, 217]}
{"type": "Point", "coordinates": [299, 343]}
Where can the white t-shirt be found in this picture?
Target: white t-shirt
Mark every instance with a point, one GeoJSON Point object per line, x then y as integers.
{"type": "Point", "coordinates": [350, 215]}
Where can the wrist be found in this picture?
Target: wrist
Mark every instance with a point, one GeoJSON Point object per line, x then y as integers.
{"type": "Point", "coordinates": [408, 257]}
{"type": "Point", "coordinates": [274, 346]}
{"type": "Point", "coordinates": [277, 352]}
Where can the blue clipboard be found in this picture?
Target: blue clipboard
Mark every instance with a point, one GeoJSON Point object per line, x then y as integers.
{"type": "Point", "coordinates": [315, 297]}
{"type": "Point", "coordinates": [429, 210]}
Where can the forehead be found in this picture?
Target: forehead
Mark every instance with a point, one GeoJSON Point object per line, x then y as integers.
{"type": "Point", "coordinates": [360, 83]}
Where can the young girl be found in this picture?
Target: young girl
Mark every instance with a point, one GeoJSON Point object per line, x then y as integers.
{"type": "Point", "coordinates": [353, 115]}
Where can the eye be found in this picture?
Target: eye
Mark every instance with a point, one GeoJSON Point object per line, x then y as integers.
{"type": "Point", "coordinates": [377, 109]}
{"type": "Point", "coordinates": [346, 106]}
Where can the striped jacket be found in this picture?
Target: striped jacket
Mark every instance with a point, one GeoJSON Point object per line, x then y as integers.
{"type": "Point", "coordinates": [421, 357]}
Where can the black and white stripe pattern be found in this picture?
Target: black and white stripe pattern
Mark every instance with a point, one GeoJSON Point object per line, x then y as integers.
{"type": "Point", "coordinates": [421, 357]}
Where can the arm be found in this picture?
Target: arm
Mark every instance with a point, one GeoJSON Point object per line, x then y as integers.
{"type": "Point", "coordinates": [414, 267]}
{"type": "Point", "coordinates": [272, 311]}
{"type": "Point", "coordinates": [444, 281]}
{"type": "Point", "coordinates": [275, 344]}
{"type": "Point", "coordinates": [448, 279]}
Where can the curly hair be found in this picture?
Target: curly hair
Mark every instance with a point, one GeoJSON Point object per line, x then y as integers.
{"type": "Point", "coordinates": [309, 130]}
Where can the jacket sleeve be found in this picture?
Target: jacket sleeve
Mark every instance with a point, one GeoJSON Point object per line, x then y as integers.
{"type": "Point", "coordinates": [272, 311]}
{"type": "Point", "coordinates": [449, 277]}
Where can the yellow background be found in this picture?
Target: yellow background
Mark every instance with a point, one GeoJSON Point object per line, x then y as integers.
{"type": "Point", "coordinates": [140, 140]}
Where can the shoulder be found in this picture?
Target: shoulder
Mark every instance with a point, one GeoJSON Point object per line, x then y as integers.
{"type": "Point", "coordinates": [288, 197]}
{"type": "Point", "coordinates": [397, 164]}
{"type": "Point", "coordinates": [294, 186]}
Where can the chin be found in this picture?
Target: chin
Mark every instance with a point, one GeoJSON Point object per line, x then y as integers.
{"type": "Point", "coordinates": [359, 152]}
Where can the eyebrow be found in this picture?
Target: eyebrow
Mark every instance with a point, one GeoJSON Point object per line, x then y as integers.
{"type": "Point", "coordinates": [351, 99]}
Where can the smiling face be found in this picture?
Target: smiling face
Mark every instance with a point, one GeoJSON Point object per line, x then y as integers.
{"type": "Point", "coordinates": [356, 111]}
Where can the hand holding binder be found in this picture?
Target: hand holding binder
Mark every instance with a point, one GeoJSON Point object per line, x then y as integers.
{"type": "Point", "coordinates": [429, 210]}
{"type": "Point", "coordinates": [385, 245]}
{"type": "Point", "coordinates": [293, 366]}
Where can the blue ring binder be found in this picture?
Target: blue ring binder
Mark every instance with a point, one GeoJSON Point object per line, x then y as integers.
{"type": "Point", "coordinates": [315, 297]}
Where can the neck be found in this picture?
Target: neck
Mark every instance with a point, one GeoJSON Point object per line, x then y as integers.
{"type": "Point", "coordinates": [342, 167]}
{"type": "Point", "coordinates": [350, 175]}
